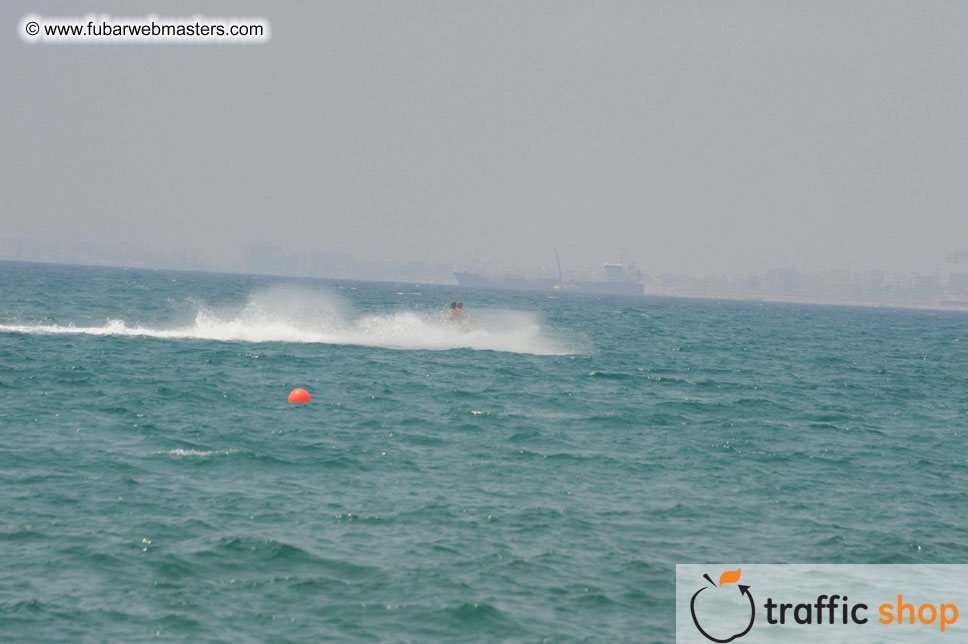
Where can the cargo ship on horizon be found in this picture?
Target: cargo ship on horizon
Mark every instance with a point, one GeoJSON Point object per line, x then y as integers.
{"type": "Point", "coordinates": [620, 279]}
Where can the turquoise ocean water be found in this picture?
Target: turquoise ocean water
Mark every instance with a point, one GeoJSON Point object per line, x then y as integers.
{"type": "Point", "coordinates": [533, 479]}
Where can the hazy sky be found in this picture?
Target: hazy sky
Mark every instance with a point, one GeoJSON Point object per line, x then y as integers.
{"type": "Point", "coordinates": [699, 137]}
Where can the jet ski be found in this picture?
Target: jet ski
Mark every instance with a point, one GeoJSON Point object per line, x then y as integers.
{"type": "Point", "coordinates": [456, 316]}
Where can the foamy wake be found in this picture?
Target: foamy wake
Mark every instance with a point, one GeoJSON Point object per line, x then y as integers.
{"type": "Point", "coordinates": [197, 452]}
{"type": "Point", "coordinates": [287, 315]}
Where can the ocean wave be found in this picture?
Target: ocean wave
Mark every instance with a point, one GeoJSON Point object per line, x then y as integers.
{"type": "Point", "coordinates": [198, 452]}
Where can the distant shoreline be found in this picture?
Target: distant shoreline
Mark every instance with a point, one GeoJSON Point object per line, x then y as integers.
{"type": "Point", "coordinates": [802, 299]}
{"type": "Point", "coordinates": [649, 291]}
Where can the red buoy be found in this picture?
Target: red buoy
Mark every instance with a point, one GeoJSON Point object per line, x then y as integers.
{"type": "Point", "coordinates": [299, 396]}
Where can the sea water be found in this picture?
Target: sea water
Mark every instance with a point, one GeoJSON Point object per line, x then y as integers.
{"type": "Point", "coordinates": [534, 477]}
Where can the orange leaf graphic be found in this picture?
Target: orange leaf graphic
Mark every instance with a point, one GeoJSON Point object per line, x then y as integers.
{"type": "Point", "coordinates": [729, 577]}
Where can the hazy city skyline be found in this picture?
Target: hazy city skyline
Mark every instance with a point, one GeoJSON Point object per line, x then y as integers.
{"type": "Point", "coordinates": [692, 138]}
{"type": "Point", "coordinates": [946, 290]}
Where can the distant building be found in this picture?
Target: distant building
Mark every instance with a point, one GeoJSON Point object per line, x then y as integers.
{"type": "Point", "coordinates": [872, 284]}
{"type": "Point", "coordinates": [783, 281]}
{"type": "Point", "coordinates": [958, 284]}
